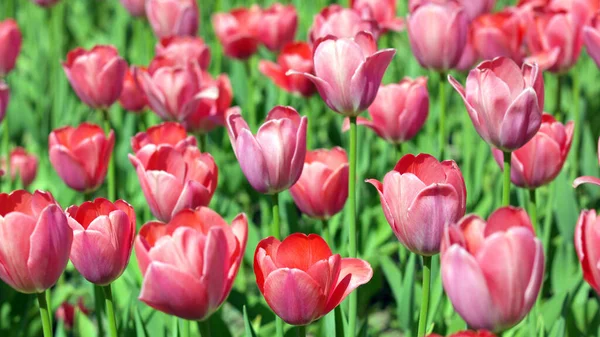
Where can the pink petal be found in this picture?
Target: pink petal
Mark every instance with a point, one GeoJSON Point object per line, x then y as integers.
{"type": "Point", "coordinates": [353, 273]}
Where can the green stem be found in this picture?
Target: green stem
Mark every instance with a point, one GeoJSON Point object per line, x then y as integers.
{"type": "Point", "coordinates": [558, 97]}
{"type": "Point", "coordinates": [326, 232]}
{"type": "Point", "coordinates": [6, 147]}
{"type": "Point", "coordinates": [352, 313]}
{"type": "Point", "coordinates": [204, 327]}
{"type": "Point", "coordinates": [442, 121]}
{"type": "Point", "coordinates": [203, 142]}
{"type": "Point", "coordinates": [45, 314]}
{"type": "Point", "coordinates": [184, 327]}
{"type": "Point", "coordinates": [301, 331]}
{"type": "Point", "coordinates": [425, 298]}
{"type": "Point", "coordinates": [398, 152]}
{"type": "Point", "coordinates": [576, 125]}
{"type": "Point", "coordinates": [250, 107]}
{"type": "Point", "coordinates": [110, 310]}
{"type": "Point", "coordinates": [533, 210]}
{"type": "Point", "coordinates": [98, 299]}
{"type": "Point", "coordinates": [111, 163]}
{"type": "Point", "coordinates": [276, 232]}
{"type": "Point", "coordinates": [506, 185]}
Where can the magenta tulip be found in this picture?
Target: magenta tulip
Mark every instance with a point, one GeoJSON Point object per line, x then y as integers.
{"type": "Point", "coordinates": [587, 236]}
{"type": "Point", "coordinates": [135, 7]}
{"type": "Point", "coordinates": [340, 22]}
{"type": "Point", "coordinates": [383, 11]}
{"type": "Point", "coordinates": [183, 50]}
{"type": "Point", "coordinates": [4, 98]}
{"type": "Point", "coordinates": [173, 17]}
{"type": "Point", "coordinates": [591, 37]}
{"type": "Point", "coordinates": [10, 45]}
{"type": "Point", "coordinates": [278, 25]}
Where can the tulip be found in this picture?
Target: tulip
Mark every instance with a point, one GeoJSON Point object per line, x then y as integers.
{"type": "Point", "coordinates": [473, 8]}
{"type": "Point", "coordinates": [588, 179]}
{"type": "Point", "coordinates": [209, 113]}
{"type": "Point", "coordinates": [135, 7]}
{"type": "Point", "coordinates": [10, 45]}
{"type": "Point", "coordinates": [36, 241]}
{"type": "Point", "coordinates": [591, 37]}
{"type": "Point", "coordinates": [492, 272]}
{"type": "Point", "coordinates": [340, 22]}
{"type": "Point", "coordinates": [172, 17]}
{"type": "Point", "coordinates": [278, 25]}
{"type": "Point", "coordinates": [103, 234]}
{"type": "Point", "coordinates": [504, 102]}
{"type": "Point", "coordinates": [167, 133]}
{"type": "Point", "coordinates": [468, 58]}
{"type": "Point", "coordinates": [302, 280]}
{"type": "Point", "coordinates": [438, 34]}
{"type": "Point", "coordinates": [132, 96]}
{"type": "Point", "coordinates": [322, 189]}
{"type": "Point", "coordinates": [173, 180]}
{"type": "Point", "coordinates": [433, 196]}
{"type": "Point", "coordinates": [183, 50]}
{"type": "Point", "coordinates": [238, 31]}
{"type": "Point", "coordinates": [23, 164]}
{"type": "Point", "coordinates": [96, 75]}
{"type": "Point", "coordinates": [45, 3]}
{"type": "Point", "coordinates": [295, 56]}
{"type": "Point", "coordinates": [66, 312]}
{"type": "Point", "coordinates": [467, 333]}
{"type": "Point", "coordinates": [587, 236]}
{"type": "Point", "coordinates": [383, 11]}
{"type": "Point", "coordinates": [196, 256]}
{"type": "Point", "coordinates": [4, 97]}
{"type": "Point", "coordinates": [499, 34]}
{"type": "Point", "coordinates": [80, 155]}
{"type": "Point", "coordinates": [348, 72]}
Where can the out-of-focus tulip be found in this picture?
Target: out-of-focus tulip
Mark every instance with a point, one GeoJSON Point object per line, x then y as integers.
{"type": "Point", "coordinates": [505, 102]}
{"type": "Point", "coordinates": [469, 56]}
{"type": "Point", "coordinates": [173, 180]}
{"type": "Point", "coordinates": [295, 56]}
{"type": "Point", "coordinates": [348, 72]}
{"type": "Point", "coordinates": [10, 45]}
{"type": "Point", "coordinates": [492, 271]}
{"type": "Point", "coordinates": [438, 34]}
{"type": "Point", "coordinates": [45, 3]}
{"type": "Point", "coordinates": [302, 280]}
{"type": "Point", "coordinates": [4, 98]}
{"type": "Point", "coordinates": [80, 155]}
{"type": "Point", "coordinates": [66, 312]}
{"type": "Point", "coordinates": [540, 160]}
{"type": "Point", "coordinates": [173, 17]}
{"type": "Point", "coordinates": [467, 333]}
{"type": "Point", "coordinates": [23, 164]}
{"type": "Point", "coordinates": [238, 31]}
{"type": "Point", "coordinates": [37, 241]}
{"type": "Point", "coordinates": [96, 75]}
{"type": "Point", "coordinates": [587, 236]}
{"type": "Point", "coordinates": [103, 234]}
{"type": "Point", "coordinates": [383, 11]}
{"type": "Point", "coordinates": [210, 113]}
{"type": "Point", "coordinates": [588, 179]}
{"type": "Point", "coordinates": [135, 7]}
{"type": "Point", "coordinates": [473, 8]}
{"type": "Point", "coordinates": [499, 34]}
{"type": "Point", "coordinates": [278, 25]}
{"type": "Point", "coordinates": [196, 256]}
{"type": "Point", "coordinates": [322, 189]}
{"type": "Point", "coordinates": [132, 98]}
{"type": "Point", "coordinates": [591, 37]}
{"type": "Point", "coordinates": [420, 198]}
{"type": "Point", "coordinates": [184, 49]}
{"type": "Point", "coordinates": [341, 22]}
{"type": "Point", "coordinates": [167, 133]}
{"type": "Point", "coordinates": [272, 161]}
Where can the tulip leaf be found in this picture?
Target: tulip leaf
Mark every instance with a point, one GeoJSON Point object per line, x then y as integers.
{"type": "Point", "coordinates": [558, 330]}
{"type": "Point", "coordinates": [85, 327]}
{"type": "Point", "coordinates": [140, 328]}
{"type": "Point", "coordinates": [248, 325]}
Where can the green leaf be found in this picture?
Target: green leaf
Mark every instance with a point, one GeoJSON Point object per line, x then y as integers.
{"type": "Point", "coordinates": [85, 327]}
{"type": "Point", "coordinates": [248, 325]}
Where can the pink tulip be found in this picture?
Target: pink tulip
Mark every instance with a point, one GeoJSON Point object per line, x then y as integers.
{"type": "Point", "coordinates": [173, 17]}
{"type": "Point", "coordinates": [238, 31]}
{"type": "Point", "coordinates": [492, 272]}
{"type": "Point", "coordinates": [10, 45]}
{"type": "Point", "coordinates": [322, 189]}
{"type": "Point", "coordinates": [183, 50]}
{"type": "Point", "coordinates": [167, 133]}
{"type": "Point", "coordinates": [103, 234]}
{"type": "Point", "coordinates": [469, 56]}
{"type": "Point", "coordinates": [587, 236]}
{"type": "Point", "coordinates": [539, 161]}
{"type": "Point", "coordinates": [302, 280]}
{"type": "Point", "coordinates": [433, 196]}
{"type": "Point", "coordinates": [272, 160]}
{"type": "Point", "coordinates": [36, 241]}
{"type": "Point", "coordinates": [96, 75]}
{"type": "Point", "coordinates": [294, 56]}
{"type": "Point", "coordinates": [348, 72]}
{"type": "Point", "coordinates": [505, 102]}
{"type": "Point", "coordinates": [467, 333]}
{"type": "Point", "coordinates": [383, 11]}
{"type": "Point", "coordinates": [588, 179]}
{"type": "Point", "coordinates": [499, 34]}
{"type": "Point", "coordinates": [23, 164]}
{"type": "Point", "coordinates": [45, 3]}
{"type": "Point", "coordinates": [591, 37]}
{"type": "Point", "coordinates": [135, 7]}
{"type": "Point", "coordinates": [473, 8]}
{"type": "Point", "coordinates": [80, 155]}
{"type": "Point", "coordinates": [278, 25]}
{"type": "Point", "coordinates": [132, 98]}
{"type": "Point", "coordinates": [173, 180]}
{"type": "Point", "coordinates": [4, 98]}
{"type": "Point", "coordinates": [342, 23]}
{"type": "Point", "coordinates": [438, 34]}
{"type": "Point", "coordinates": [210, 113]}
{"type": "Point", "coordinates": [196, 256]}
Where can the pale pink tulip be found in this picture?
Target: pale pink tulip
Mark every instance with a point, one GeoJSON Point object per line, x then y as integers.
{"type": "Point", "coordinates": [587, 236]}
{"type": "Point", "coordinates": [278, 25]}
{"type": "Point", "coordinates": [173, 17]}
{"type": "Point", "coordinates": [383, 11]}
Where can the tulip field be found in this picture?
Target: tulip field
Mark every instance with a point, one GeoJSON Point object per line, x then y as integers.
{"type": "Point", "coordinates": [227, 168]}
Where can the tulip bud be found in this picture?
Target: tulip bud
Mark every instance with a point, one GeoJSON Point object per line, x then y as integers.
{"type": "Point", "coordinates": [383, 11]}
{"type": "Point", "coordinates": [23, 164]}
{"type": "Point", "coordinates": [173, 17]}
{"type": "Point", "coordinates": [340, 22]}
{"type": "Point", "coordinates": [10, 45]}
{"type": "Point", "coordinates": [499, 34]}
{"type": "Point", "coordinates": [135, 7]}
{"type": "Point", "coordinates": [132, 98]}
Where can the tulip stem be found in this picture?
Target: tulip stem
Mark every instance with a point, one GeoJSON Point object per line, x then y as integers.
{"type": "Point", "coordinates": [45, 314]}
{"type": "Point", "coordinates": [184, 327]}
{"type": "Point", "coordinates": [442, 120]}
{"type": "Point", "coordinates": [301, 331]}
{"type": "Point", "coordinates": [110, 310]}
{"type": "Point", "coordinates": [204, 327]}
{"type": "Point", "coordinates": [276, 232]}
{"type": "Point", "coordinates": [558, 97]}
{"type": "Point", "coordinates": [576, 126]}
{"type": "Point", "coordinates": [506, 185]}
{"type": "Point", "coordinates": [425, 296]}
{"type": "Point", "coordinates": [250, 107]}
{"type": "Point", "coordinates": [533, 209]}
{"type": "Point", "coordinates": [98, 298]}
{"type": "Point", "coordinates": [202, 142]}
{"type": "Point", "coordinates": [326, 232]}
{"type": "Point", "coordinates": [353, 299]}
{"type": "Point", "coordinates": [6, 147]}
{"type": "Point", "coordinates": [111, 163]}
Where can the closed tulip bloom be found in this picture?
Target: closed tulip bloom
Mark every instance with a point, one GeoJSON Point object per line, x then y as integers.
{"type": "Point", "coordinates": [438, 34]}
{"type": "Point", "coordinates": [539, 161]}
{"type": "Point", "coordinates": [45, 3]}
{"type": "Point", "coordinates": [272, 160]}
{"type": "Point", "coordinates": [322, 189]}
{"type": "Point", "coordinates": [4, 98]}
{"type": "Point", "coordinates": [80, 155]}
{"type": "Point", "coordinates": [278, 25]}
{"type": "Point", "coordinates": [383, 11]}
{"type": "Point", "coordinates": [302, 280]}
{"type": "Point", "coordinates": [238, 31]}
{"type": "Point", "coordinates": [184, 49]}
{"type": "Point", "coordinates": [467, 333]}
{"type": "Point", "coordinates": [167, 133]}
{"type": "Point", "coordinates": [591, 37]}
{"type": "Point", "coordinates": [173, 17]}
{"type": "Point", "coordinates": [23, 164]}
{"type": "Point", "coordinates": [196, 256]}
{"type": "Point", "coordinates": [295, 56]}
{"type": "Point", "coordinates": [342, 23]}
{"type": "Point", "coordinates": [10, 45]}
{"type": "Point", "coordinates": [36, 241]}
{"type": "Point", "coordinates": [211, 113]}
{"type": "Point", "coordinates": [348, 72]}
{"type": "Point", "coordinates": [420, 198]}
{"type": "Point", "coordinates": [589, 179]}
{"type": "Point", "coordinates": [103, 234]}
{"type": "Point", "coordinates": [469, 56]}
{"type": "Point", "coordinates": [587, 236]}
{"type": "Point", "coordinates": [96, 75]}
{"type": "Point", "coordinates": [473, 8]}
{"type": "Point", "coordinates": [135, 7]}
{"type": "Point", "coordinates": [499, 34]}
{"type": "Point", "coordinates": [132, 98]}
{"type": "Point", "coordinates": [492, 271]}
{"type": "Point", "coordinates": [173, 180]}
{"type": "Point", "coordinates": [505, 102]}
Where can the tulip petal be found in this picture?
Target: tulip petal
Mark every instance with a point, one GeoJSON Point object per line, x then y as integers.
{"type": "Point", "coordinates": [302, 251]}
{"type": "Point", "coordinates": [68, 168]}
{"type": "Point", "coordinates": [15, 232]}
{"type": "Point", "coordinates": [522, 120]}
{"type": "Point", "coordinates": [216, 266]}
{"type": "Point", "coordinates": [366, 80]}
{"type": "Point", "coordinates": [586, 180]}
{"type": "Point", "coordinates": [353, 273]}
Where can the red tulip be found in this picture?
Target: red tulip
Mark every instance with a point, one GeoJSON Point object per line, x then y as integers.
{"type": "Point", "coordinates": [173, 180]}
{"type": "Point", "coordinates": [183, 50]}
{"type": "Point", "coordinates": [348, 72]}
{"type": "Point", "coordinates": [341, 23]}
{"type": "Point", "coordinates": [96, 75]}
{"type": "Point", "coordinates": [322, 189]}
{"type": "Point", "coordinates": [278, 25]}
{"type": "Point", "coordinates": [433, 196]}
{"type": "Point", "coordinates": [80, 155]}
{"type": "Point", "coordinates": [103, 234]}
{"type": "Point", "coordinates": [539, 161]}
{"type": "Point", "coordinates": [587, 236]}
{"type": "Point", "coordinates": [383, 11]}
{"type": "Point", "coordinates": [302, 280]}
{"type": "Point", "coordinates": [36, 241]}
{"type": "Point", "coordinates": [4, 98]}
{"type": "Point", "coordinates": [238, 31]}
{"type": "Point", "coordinates": [210, 113]}
{"type": "Point", "coordinates": [173, 17]}
{"type": "Point", "coordinates": [196, 256]}
{"type": "Point", "coordinates": [271, 160]}
{"type": "Point", "coordinates": [10, 45]}
{"type": "Point", "coordinates": [505, 102]}
{"type": "Point", "coordinates": [591, 37]}
{"type": "Point", "coordinates": [492, 272]}
{"type": "Point", "coordinates": [467, 333]}
{"type": "Point", "coordinates": [135, 7]}
{"type": "Point", "coordinates": [132, 98]}
{"type": "Point", "coordinates": [499, 34]}
{"type": "Point", "coordinates": [588, 179]}
{"type": "Point", "coordinates": [295, 56]}
{"type": "Point", "coordinates": [66, 312]}
{"type": "Point", "coordinates": [167, 133]}
{"type": "Point", "coordinates": [23, 164]}
{"type": "Point", "coordinates": [45, 3]}
{"type": "Point", "coordinates": [473, 8]}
